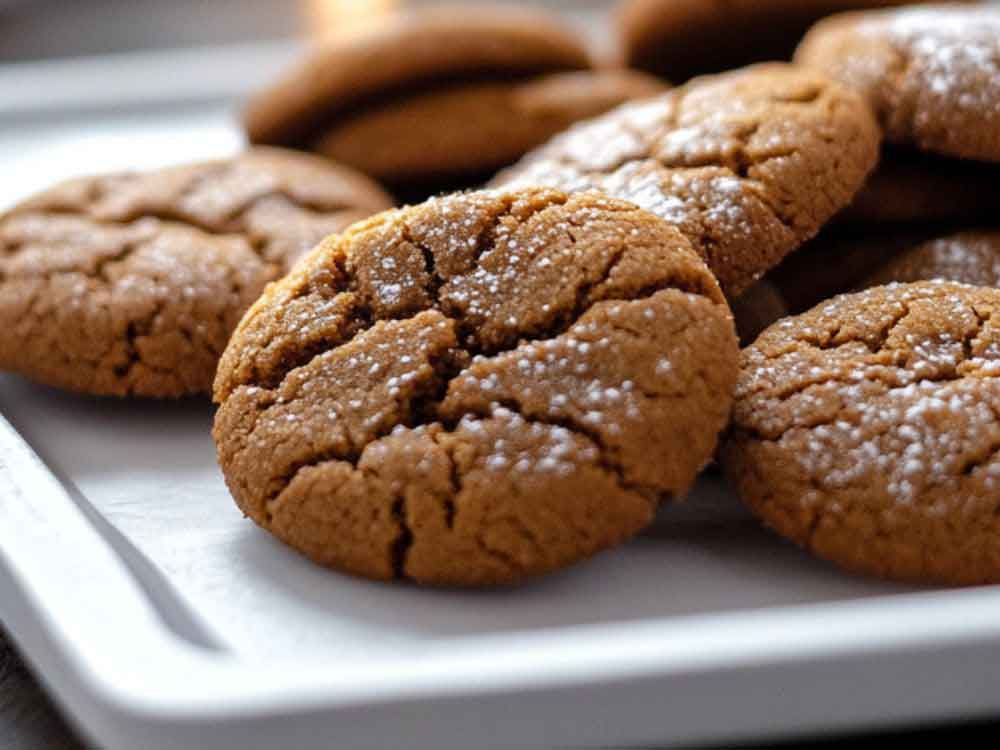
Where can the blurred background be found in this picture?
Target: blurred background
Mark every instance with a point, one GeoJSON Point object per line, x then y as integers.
{"type": "Point", "coordinates": [103, 85]}
{"type": "Point", "coordinates": [46, 29]}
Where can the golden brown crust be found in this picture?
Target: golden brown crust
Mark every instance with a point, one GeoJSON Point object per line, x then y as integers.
{"type": "Point", "coordinates": [748, 165]}
{"type": "Point", "coordinates": [474, 128]}
{"type": "Point", "coordinates": [868, 431]}
{"type": "Point", "coordinates": [478, 389]}
{"type": "Point", "coordinates": [410, 50]}
{"type": "Point", "coordinates": [966, 257]}
{"type": "Point", "coordinates": [931, 74]}
{"type": "Point", "coordinates": [681, 39]}
{"type": "Point", "coordinates": [130, 284]}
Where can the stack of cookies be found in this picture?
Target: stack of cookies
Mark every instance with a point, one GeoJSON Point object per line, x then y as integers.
{"type": "Point", "coordinates": [495, 383]}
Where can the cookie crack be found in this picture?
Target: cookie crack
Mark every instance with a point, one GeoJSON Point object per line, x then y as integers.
{"type": "Point", "coordinates": [557, 327]}
{"type": "Point", "coordinates": [605, 452]}
{"type": "Point", "coordinates": [423, 408]}
{"type": "Point", "coordinates": [400, 549]}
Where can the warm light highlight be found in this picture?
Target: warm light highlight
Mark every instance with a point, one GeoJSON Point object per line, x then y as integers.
{"type": "Point", "coordinates": [327, 17]}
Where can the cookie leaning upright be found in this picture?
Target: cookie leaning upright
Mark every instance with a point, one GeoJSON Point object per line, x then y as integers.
{"type": "Point", "coordinates": [130, 284]}
{"type": "Point", "coordinates": [440, 94]}
{"type": "Point", "coordinates": [478, 389]}
{"type": "Point", "coordinates": [932, 74]}
{"type": "Point", "coordinates": [748, 165]}
{"type": "Point", "coordinates": [867, 430]}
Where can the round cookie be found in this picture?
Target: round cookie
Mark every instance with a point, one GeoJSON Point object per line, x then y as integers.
{"type": "Point", "coordinates": [478, 389]}
{"type": "Point", "coordinates": [469, 131]}
{"type": "Point", "coordinates": [748, 165]}
{"type": "Point", "coordinates": [681, 39]}
{"type": "Point", "coordinates": [130, 284]}
{"type": "Point", "coordinates": [966, 257]}
{"type": "Point", "coordinates": [931, 74]}
{"type": "Point", "coordinates": [867, 431]}
{"type": "Point", "coordinates": [440, 96]}
{"type": "Point", "coordinates": [913, 188]}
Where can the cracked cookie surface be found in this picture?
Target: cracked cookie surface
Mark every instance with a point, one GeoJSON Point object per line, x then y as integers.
{"type": "Point", "coordinates": [931, 74]}
{"type": "Point", "coordinates": [478, 389]}
{"type": "Point", "coordinates": [748, 165]}
{"type": "Point", "coordinates": [868, 431]}
{"type": "Point", "coordinates": [130, 284]}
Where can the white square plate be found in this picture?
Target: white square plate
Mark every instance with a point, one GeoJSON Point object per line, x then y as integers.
{"type": "Point", "coordinates": [160, 618]}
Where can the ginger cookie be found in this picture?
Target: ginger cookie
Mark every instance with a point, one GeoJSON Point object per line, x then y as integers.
{"type": "Point", "coordinates": [914, 188]}
{"type": "Point", "coordinates": [465, 133]}
{"type": "Point", "coordinates": [130, 284]}
{"type": "Point", "coordinates": [681, 39]}
{"type": "Point", "coordinates": [440, 96]}
{"type": "Point", "coordinates": [931, 74]}
{"type": "Point", "coordinates": [478, 389]}
{"type": "Point", "coordinates": [748, 165]}
{"type": "Point", "coordinates": [867, 431]}
{"type": "Point", "coordinates": [967, 257]}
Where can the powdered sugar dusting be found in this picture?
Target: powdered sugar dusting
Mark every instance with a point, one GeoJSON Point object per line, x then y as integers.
{"type": "Point", "coordinates": [896, 391]}
{"type": "Point", "coordinates": [955, 55]}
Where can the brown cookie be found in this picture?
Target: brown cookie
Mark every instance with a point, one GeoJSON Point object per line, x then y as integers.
{"type": "Point", "coordinates": [440, 95]}
{"type": "Point", "coordinates": [479, 389]}
{"type": "Point", "coordinates": [469, 131]}
{"type": "Point", "coordinates": [867, 430]}
{"type": "Point", "coordinates": [931, 74]}
{"type": "Point", "coordinates": [680, 39]}
{"type": "Point", "coordinates": [966, 257]}
{"type": "Point", "coordinates": [130, 284]}
{"type": "Point", "coordinates": [748, 165]}
{"type": "Point", "coordinates": [913, 188]}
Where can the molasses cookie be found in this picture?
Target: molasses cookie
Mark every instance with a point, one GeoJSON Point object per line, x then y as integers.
{"type": "Point", "coordinates": [748, 165]}
{"type": "Point", "coordinates": [478, 389]}
{"type": "Point", "coordinates": [440, 95]}
{"type": "Point", "coordinates": [968, 257]}
{"type": "Point", "coordinates": [130, 284]}
{"type": "Point", "coordinates": [681, 39]}
{"type": "Point", "coordinates": [468, 132]}
{"type": "Point", "coordinates": [931, 74]}
{"type": "Point", "coordinates": [914, 188]}
{"type": "Point", "coordinates": [867, 431]}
